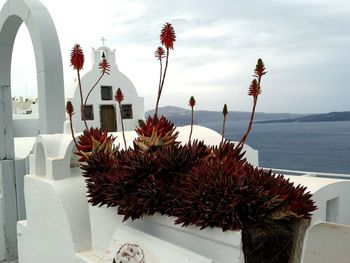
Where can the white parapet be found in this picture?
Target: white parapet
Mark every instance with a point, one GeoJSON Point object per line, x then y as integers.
{"type": "Point", "coordinates": [331, 197]}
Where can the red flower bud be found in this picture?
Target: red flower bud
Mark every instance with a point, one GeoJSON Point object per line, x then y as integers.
{"type": "Point", "coordinates": [119, 97]}
{"type": "Point", "coordinates": [159, 53]}
{"type": "Point", "coordinates": [77, 57]}
{"type": "Point", "coordinates": [192, 102]}
{"type": "Point", "coordinates": [254, 89]}
{"type": "Point", "coordinates": [167, 36]}
{"type": "Point", "coordinates": [224, 110]}
{"type": "Point", "coordinates": [104, 66]}
{"type": "Point", "coordinates": [69, 108]}
{"type": "Point", "coordinates": [259, 68]}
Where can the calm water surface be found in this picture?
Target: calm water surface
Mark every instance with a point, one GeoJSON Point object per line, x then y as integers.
{"type": "Point", "coordinates": [317, 146]}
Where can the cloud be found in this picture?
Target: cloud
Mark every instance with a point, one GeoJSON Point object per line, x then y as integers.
{"type": "Point", "coordinates": [304, 44]}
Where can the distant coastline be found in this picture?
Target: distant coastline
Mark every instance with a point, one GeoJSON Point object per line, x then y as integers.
{"type": "Point", "coordinates": [326, 117]}
{"type": "Point", "coordinates": [181, 116]}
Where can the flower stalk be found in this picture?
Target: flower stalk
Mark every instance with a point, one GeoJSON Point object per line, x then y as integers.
{"type": "Point", "coordinates": [70, 112]}
{"type": "Point", "coordinates": [167, 39]}
{"type": "Point", "coordinates": [224, 112]}
{"type": "Point", "coordinates": [191, 103]}
{"type": "Point", "coordinates": [254, 91]}
{"type": "Point", "coordinates": [105, 69]}
{"type": "Point", "coordinates": [119, 97]}
{"type": "Point", "coordinates": [77, 61]}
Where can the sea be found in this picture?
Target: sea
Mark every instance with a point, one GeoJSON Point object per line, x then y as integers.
{"type": "Point", "coordinates": [301, 146]}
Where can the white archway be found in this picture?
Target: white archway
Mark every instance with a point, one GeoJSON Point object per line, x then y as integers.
{"type": "Point", "coordinates": [48, 65]}
{"type": "Point", "coordinates": [51, 105]}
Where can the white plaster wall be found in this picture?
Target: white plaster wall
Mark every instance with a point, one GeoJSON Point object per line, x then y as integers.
{"type": "Point", "coordinates": [323, 190]}
{"type": "Point", "coordinates": [57, 224]}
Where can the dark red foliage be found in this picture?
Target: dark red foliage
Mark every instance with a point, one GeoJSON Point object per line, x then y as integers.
{"type": "Point", "coordinates": [162, 125]}
{"type": "Point", "coordinates": [93, 140]}
{"type": "Point", "coordinates": [101, 179]}
{"type": "Point", "coordinates": [77, 57]}
{"type": "Point", "coordinates": [167, 36]}
{"type": "Point", "coordinates": [202, 186]}
{"type": "Point", "coordinates": [227, 151]}
{"type": "Point", "coordinates": [155, 133]}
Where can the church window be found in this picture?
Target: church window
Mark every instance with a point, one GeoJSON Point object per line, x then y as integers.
{"type": "Point", "coordinates": [89, 112]}
{"type": "Point", "coordinates": [127, 111]}
{"type": "Point", "coordinates": [106, 93]}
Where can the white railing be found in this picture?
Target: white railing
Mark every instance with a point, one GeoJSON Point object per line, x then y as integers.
{"type": "Point", "coordinates": [311, 174]}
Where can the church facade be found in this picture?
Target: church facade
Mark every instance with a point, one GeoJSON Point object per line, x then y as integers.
{"type": "Point", "coordinates": [101, 109]}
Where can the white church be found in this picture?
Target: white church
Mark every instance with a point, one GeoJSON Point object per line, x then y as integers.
{"type": "Point", "coordinates": [101, 109]}
{"type": "Point", "coordinates": [44, 214]}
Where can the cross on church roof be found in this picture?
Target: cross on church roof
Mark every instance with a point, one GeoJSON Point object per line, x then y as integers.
{"type": "Point", "coordinates": [103, 41]}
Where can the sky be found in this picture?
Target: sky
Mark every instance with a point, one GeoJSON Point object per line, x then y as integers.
{"type": "Point", "coordinates": [303, 43]}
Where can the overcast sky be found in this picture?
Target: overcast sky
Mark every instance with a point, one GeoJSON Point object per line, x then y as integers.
{"type": "Point", "coordinates": [305, 45]}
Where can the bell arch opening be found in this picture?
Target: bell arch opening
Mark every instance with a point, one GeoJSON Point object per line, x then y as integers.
{"type": "Point", "coordinates": [24, 90]}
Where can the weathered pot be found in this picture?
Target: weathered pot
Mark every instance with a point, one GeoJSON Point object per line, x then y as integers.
{"type": "Point", "coordinates": [274, 242]}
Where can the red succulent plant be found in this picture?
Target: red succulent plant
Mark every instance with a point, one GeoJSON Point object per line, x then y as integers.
{"type": "Point", "coordinates": [155, 133]}
{"type": "Point", "coordinates": [206, 186]}
{"type": "Point", "coordinates": [94, 140]}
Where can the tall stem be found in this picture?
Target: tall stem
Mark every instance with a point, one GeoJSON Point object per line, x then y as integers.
{"type": "Point", "coordinates": [162, 84]}
{"type": "Point", "coordinates": [244, 137]}
{"type": "Point", "coordinates": [87, 96]}
{"type": "Point", "coordinates": [223, 129]}
{"type": "Point", "coordinates": [72, 131]}
{"type": "Point", "coordinates": [121, 120]}
{"type": "Point", "coordinates": [189, 139]}
{"type": "Point", "coordinates": [82, 107]}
